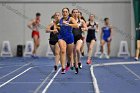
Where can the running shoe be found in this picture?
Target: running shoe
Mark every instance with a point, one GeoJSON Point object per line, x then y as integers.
{"type": "Point", "coordinates": [101, 56]}
{"type": "Point", "coordinates": [107, 56]}
{"type": "Point", "coordinates": [76, 71]}
{"type": "Point", "coordinates": [89, 61]}
{"type": "Point", "coordinates": [63, 71]}
{"type": "Point", "coordinates": [136, 59]}
{"type": "Point", "coordinates": [80, 65]}
{"type": "Point", "coordinates": [72, 68]}
{"type": "Point", "coordinates": [34, 56]}
{"type": "Point", "coordinates": [55, 68]}
{"type": "Point", "coordinates": [68, 66]}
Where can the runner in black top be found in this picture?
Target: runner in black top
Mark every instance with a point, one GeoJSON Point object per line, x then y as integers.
{"type": "Point", "coordinates": [53, 40]}
{"type": "Point", "coordinates": [77, 32]}
{"type": "Point", "coordinates": [91, 38]}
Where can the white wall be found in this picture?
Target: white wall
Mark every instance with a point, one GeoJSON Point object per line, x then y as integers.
{"type": "Point", "coordinates": [13, 26]}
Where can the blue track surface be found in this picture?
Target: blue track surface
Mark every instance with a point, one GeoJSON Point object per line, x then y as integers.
{"type": "Point", "coordinates": [30, 75]}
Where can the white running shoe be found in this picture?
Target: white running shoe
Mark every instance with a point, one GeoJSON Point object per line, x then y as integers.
{"type": "Point", "coordinates": [136, 59]}
{"type": "Point", "coordinates": [101, 56]}
{"type": "Point", "coordinates": [107, 56]}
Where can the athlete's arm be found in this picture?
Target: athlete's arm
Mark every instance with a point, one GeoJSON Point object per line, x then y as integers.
{"type": "Point", "coordinates": [84, 26]}
{"type": "Point", "coordinates": [30, 24]}
{"type": "Point", "coordinates": [87, 23]}
{"type": "Point", "coordinates": [101, 34]}
{"type": "Point", "coordinates": [88, 26]}
{"type": "Point", "coordinates": [56, 28]}
{"type": "Point", "coordinates": [74, 23]}
{"type": "Point", "coordinates": [111, 32]}
{"type": "Point", "coordinates": [48, 30]}
{"type": "Point", "coordinates": [97, 27]}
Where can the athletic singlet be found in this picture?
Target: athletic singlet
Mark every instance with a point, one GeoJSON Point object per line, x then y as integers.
{"type": "Point", "coordinates": [53, 37]}
{"type": "Point", "coordinates": [91, 31]}
{"type": "Point", "coordinates": [36, 26]}
{"type": "Point", "coordinates": [106, 32]}
{"type": "Point", "coordinates": [65, 30]}
{"type": "Point", "coordinates": [77, 31]}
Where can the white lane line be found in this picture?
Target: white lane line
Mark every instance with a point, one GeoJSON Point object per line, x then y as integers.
{"type": "Point", "coordinates": [44, 81]}
{"type": "Point", "coordinates": [48, 82]}
{"type": "Point", "coordinates": [15, 77]}
{"type": "Point", "coordinates": [132, 72]}
{"type": "Point", "coordinates": [12, 66]}
{"type": "Point", "coordinates": [95, 84]}
{"type": "Point", "coordinates": [14, 71]}
{"type": "Point", "coordinates": [43, 65]}
{"type": "Point", "coordinates": [48, 85]}
{"type": "Point", "coordinates": [21, 65]}
{"type": "Point", "coordinates": [115, 63]}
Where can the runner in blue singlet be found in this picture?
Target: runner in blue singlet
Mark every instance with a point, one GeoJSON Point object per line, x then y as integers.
{"type": "Point", "coordinates": [65, 38]}
{"type": "Point", "coordinates": [106, 37]}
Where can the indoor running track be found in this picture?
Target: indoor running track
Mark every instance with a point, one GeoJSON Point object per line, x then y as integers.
{"type": "Point", "coordinates": [28, 75]}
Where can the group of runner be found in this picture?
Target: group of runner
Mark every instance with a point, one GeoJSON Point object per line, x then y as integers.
{"type": "Point", "coordinates": [67, 37]}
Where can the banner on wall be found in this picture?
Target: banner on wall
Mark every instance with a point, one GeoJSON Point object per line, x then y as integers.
{"type": "Point", "coordinates": [136, 5]}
